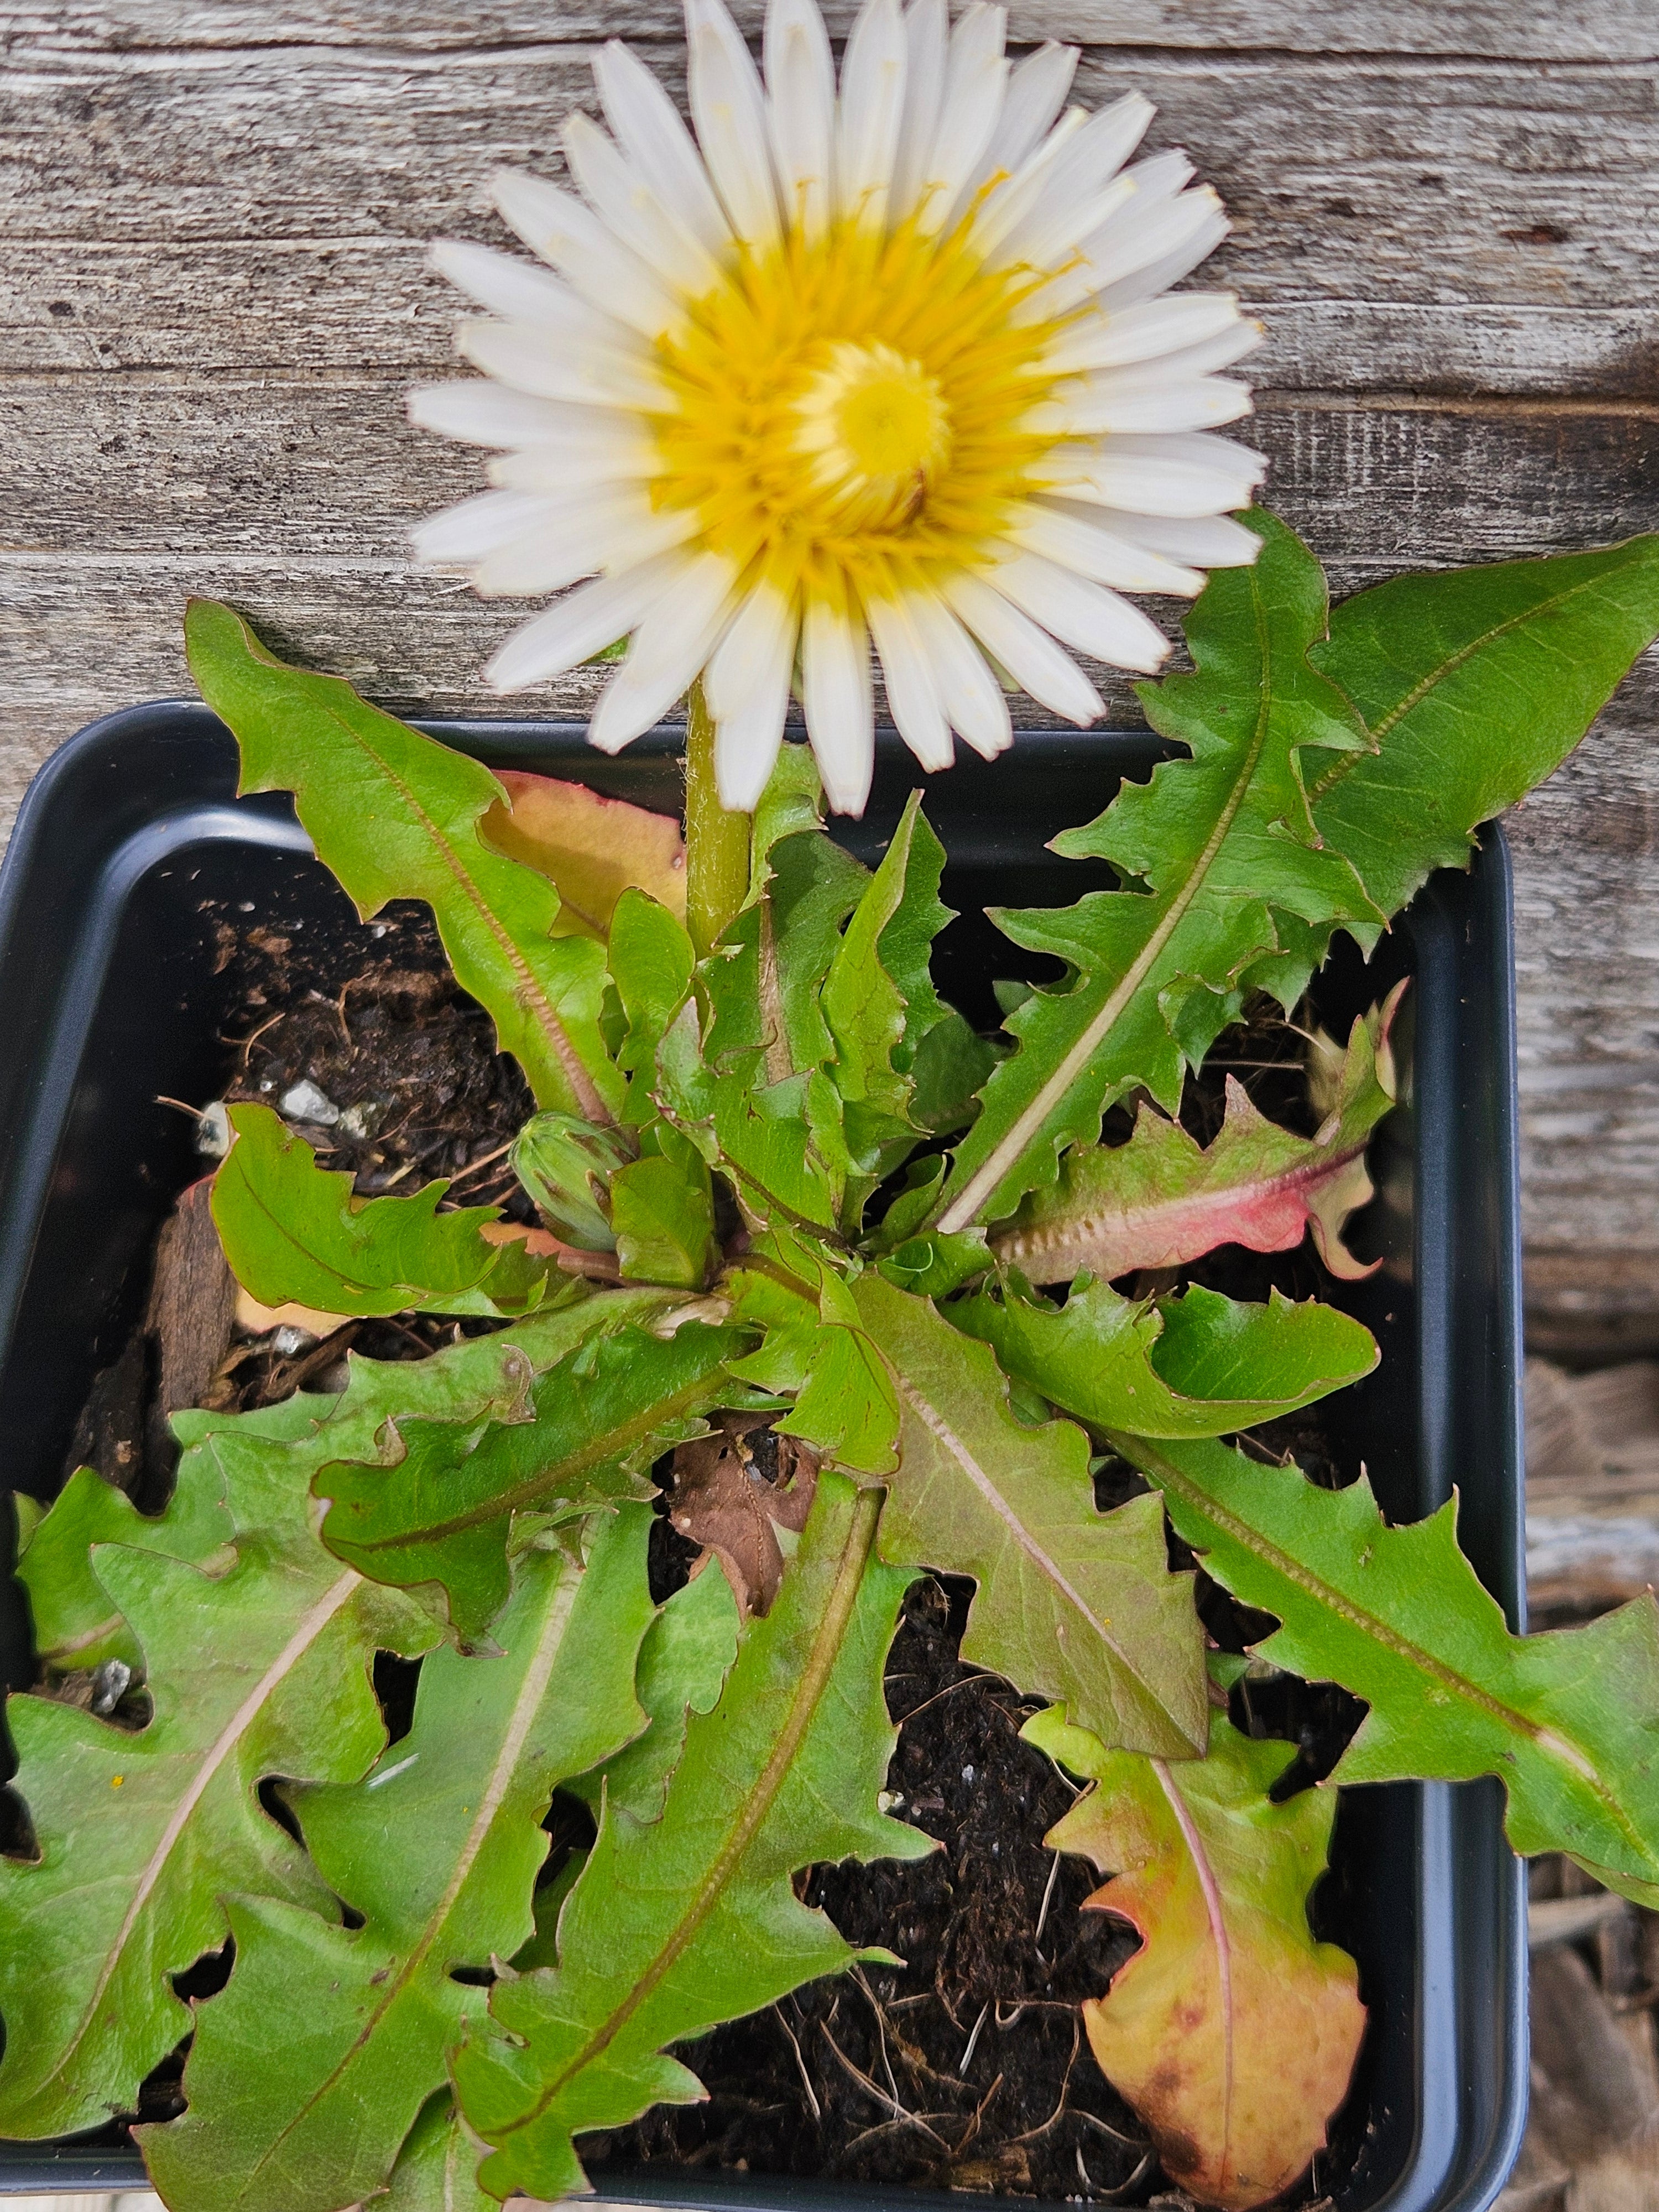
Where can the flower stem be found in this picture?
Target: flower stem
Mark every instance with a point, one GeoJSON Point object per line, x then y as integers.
{"type": "Point", "coordinates": [716, 841]}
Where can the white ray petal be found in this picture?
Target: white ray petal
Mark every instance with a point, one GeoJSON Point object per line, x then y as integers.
{"type": "Point", "coordinates": [913, 699]}
{"type": "Point", "coordinates": [1145, 234]}
{"type": "Point", "coordinates": [975, 90]}
{"type": "Point", "coordinates": [609, 526]}
{"type": "Point", "coordinates": [506, 283]}
{"type": "Point", "coordinates": [627, 453]}
{"type": "Point", "coordinates": [1030, 656]}
{"type": "Point", "coordinates": [729, 109]}
{"type": "Point", "coordinates": [801, 86]}
{"type": "Point", "coordinates": [1082, 189]}
{"type": "Point", "coordinates": [746, 748]}
{"type": "Point", "coordinates": [525, 357]}
{"type": "Point", "coordinates": [748, 658]}
{"type": "Point", "coordinates": [1161, 176]}
{"type": "Point", "coordinates": [1085, 616]}
{"type": "Point", "coordinates": [1037, 93]}
{"type": "Point", "coordinates": [579, 626]}
{"type": "Point", "coordinates": [871, 109]}
{"type": "Point", "coordinates": [1164, 326]}
{"type": "Point", "coordinates": [747, 687]}
{"type": "Point", "coordinates": [673, 638]}
{"type": "Point", "coordinates": [1180, 474]}
{"type": "Point", "coordinates": [1078, 538]}
{"type": "Point", "coordinates": [648, 128]}
{"type": "Point", "coordinates": [1006, 205]}
{"type": "Point", "coordinates": [1207, 541]}
{"type": "Point", "coordinates": [632, 212]}
{"type": "Point", "coordinates": [840, 702]}
{"type": "Point", "coordinates": [565, 232]}
{"type": "Point", "coordinates": [477, 525]}
{"type": "Point", "coordinates": [1139, 403]}
{"type": "Point", "coordinates": [524, 292]}
{"type": "Point", "coordinates": [1169, 269]}
{"type": "Point", "coordinates": [973, 698]}
{"type": "Point", "coordinates": [927, 35]}
{"type": "Point", "coordinates": [488, 414]}
{"type": "Point", "coordinates": [1054, 229]}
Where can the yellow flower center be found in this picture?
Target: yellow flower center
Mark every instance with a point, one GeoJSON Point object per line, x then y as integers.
{"type": "Point", "coordinates": [875, 428]}
{"type": "Point", "coordinates": [854, 412]}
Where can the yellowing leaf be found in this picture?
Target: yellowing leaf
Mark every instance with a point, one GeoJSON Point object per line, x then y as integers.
{"type": "Point", "coordinates": [590, 847]}
{"type": "Point", "coordinates": [1231, 2031]}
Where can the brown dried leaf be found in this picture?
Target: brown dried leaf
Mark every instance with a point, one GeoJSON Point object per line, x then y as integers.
{"type": "Point", "coordinates": [733, 1489]}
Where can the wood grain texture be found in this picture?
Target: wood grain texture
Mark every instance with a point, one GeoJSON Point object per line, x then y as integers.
{"type": "Point", "coordinates": [213, 295]}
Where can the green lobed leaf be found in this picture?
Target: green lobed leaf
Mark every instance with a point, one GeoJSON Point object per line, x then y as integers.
{"type": "Point", "coordinates": [1072, 1603]}
{"type": "Point", "coordinates": [1193, 1365]}
{"type": "Point", "coordinates": [437, 1849]}
{"type": "Point", "coordinates": [1568, 1720]}
{"type": "Point", "coordinates": [1218, 845]}
{"type": "Point", "coordinates": [1162, 1198]}
{"type": "Point", "coordinates": [679, 1924]}
{"type": "Point", "coordinates": [662, 1213]}
{"type": "Point", "coordinates": [437, 2169]}
{"type": "Point", "coordinates": [652, 963]}
{"type": "Point", "coordinates": [75, 1623]}
{"type": "Point", "coordinates": [262, 1668]}
{"type": "Point", "coordinates": [293, 1230]}
{"type": "Point", "coordinates": [396, 815]}
{"type": "Point", "coordinates": [817, 1351]}
{"type": "Point", "coordinates": [442, 1512]}
{"type": "Point", "coordinates": [1473, 685]}
{"type": "Point", "coordinates": [1230, 2031]}
{"type": "Point", "coordinates": [688, 1652]}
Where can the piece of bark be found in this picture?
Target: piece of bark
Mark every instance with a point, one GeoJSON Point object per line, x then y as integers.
{"type": "Point", "coordinates": [192, 1301]}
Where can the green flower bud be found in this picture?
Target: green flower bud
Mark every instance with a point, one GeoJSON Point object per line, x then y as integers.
{"type": "Point", "coordinates": [566, 1164]}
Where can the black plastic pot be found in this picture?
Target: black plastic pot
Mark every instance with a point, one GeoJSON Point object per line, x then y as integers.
{"type": "Point", "coordinates": [107, 1000]}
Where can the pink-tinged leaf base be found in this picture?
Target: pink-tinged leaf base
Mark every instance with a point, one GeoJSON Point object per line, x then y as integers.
{"type": "Point", "coordinates": [1162, 1198]}
{"type": "Point", "coordinates": [1231, 2031]}
{"type": "Point", "coordinates": [591, 847]}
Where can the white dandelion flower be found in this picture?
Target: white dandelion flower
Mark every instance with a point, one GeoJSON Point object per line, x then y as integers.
{"type": "Point", "coordinates": [898, 364]}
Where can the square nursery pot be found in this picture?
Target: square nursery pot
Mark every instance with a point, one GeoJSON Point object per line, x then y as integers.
{"type": "Point", "coordinates": [108, 998]}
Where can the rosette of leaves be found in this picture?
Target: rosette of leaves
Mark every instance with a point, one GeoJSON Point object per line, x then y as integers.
{"type": "Point", "coordinates": [810, 1196]}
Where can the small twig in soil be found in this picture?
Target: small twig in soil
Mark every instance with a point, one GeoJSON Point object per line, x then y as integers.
{"type": "Point", "coordinates": [1114, 2196]}
{"type": "Point", "coordinates": [966, 2059]}
{"type": "Point", "coordinates": [1048, 1899]}
{"type": "Point", "coordinates": [899, 2112]}
{"type": "Point", "coordinates": [1033, 2135]}
{"type": "Point", "coordinates": [984, 1675]}
{"type": "Point", "coordinates": [977, 2116]}
{"type": "Point", "coordinates": [813, 2104]}
{"type": "Point", "coordinates": [1013, 2019]}
{"type": "Point", "coordinates": [483, 1161]}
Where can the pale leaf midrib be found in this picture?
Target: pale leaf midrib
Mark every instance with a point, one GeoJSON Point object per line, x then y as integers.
{"type": "Point", "coordinates": [525, 1706]}
{"type": "Point", "coordinates": [984, 1183]}
{"type": "Point", "coordinates": [311, 1626]}
{"type": "Point", "coordinates": [827, 1642]}
{"type": "Point", "coordinates": [941, 1431]}
{"type": "Point", "coordinates": [1347, 763]}
{"type": "Point", "coordinates": [530, 992]}
{"type": "Point", "coordinates": [1141, 1453]}
{"type": "Point", "coordinates": [614, 1444]}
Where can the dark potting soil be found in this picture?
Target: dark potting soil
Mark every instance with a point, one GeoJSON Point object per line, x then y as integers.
{"type": "Point", "coordinates": [966, 2067]}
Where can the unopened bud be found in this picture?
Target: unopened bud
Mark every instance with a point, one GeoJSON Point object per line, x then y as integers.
{"type": "Point", "coordinates": [566, 1164]}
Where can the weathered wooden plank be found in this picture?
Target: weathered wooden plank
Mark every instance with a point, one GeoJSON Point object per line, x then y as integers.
{"type": "Point", "coordinates": [1443, 184]}
{"type": "Point", "coordinates": [1559, 29]}
{"type": "Point", "coordinates": [247, 303]}
{"type": "Point", "coordinates": [302, 464]}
